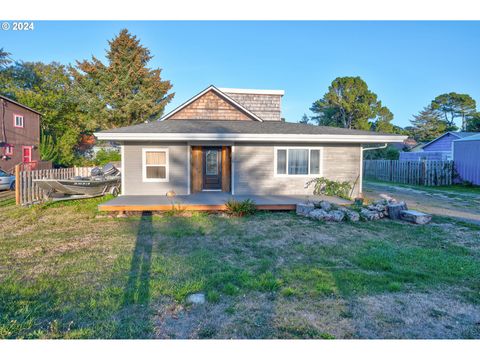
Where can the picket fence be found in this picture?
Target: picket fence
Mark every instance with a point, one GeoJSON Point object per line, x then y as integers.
{"type": "Point", "coordinates": [28, 193]}
{"type": "Point", "coordinates": [426, 172]}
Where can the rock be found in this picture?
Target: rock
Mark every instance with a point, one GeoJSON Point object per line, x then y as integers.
{"type": "Point", "coordinates": [325, 205]}
{"type": "Point", "coordinates": [350, 214]}
{"type": "Point", "coordinates": [369, 215]}
{"type": "Point", "coordinates": [198, 298]}
{"type": "Point", "coordinates": [336, 215]}
{"type": "Point", "coordinates": [304, 209]}
{"type": "Point", "coordinates": [318, 214]}
{"type": "Point", "coordinates": [383, 202]}
{"type": "Point", "coordinates": [394, 209]}
{"type": "Point", "coordinates": [415, 217]}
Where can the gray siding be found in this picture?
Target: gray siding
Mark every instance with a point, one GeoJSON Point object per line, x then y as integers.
{"type": "Point", "coordinates": [254, 169]}
{"type": "Point", "coordinates": [178, 169]}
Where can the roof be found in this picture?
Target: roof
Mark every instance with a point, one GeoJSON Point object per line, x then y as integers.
{"type": "Point", "coordinates": [470, 138]}
{"type": "Point", "coordinates": [458, 134]}
{"type": "Point", "coordinates": [252, 91]}
{"type": "Point", "coordinates": [241, 130]}
{"type": "Point", "coordinates": [21, 105]}
{"type": "Point", "coordinates": [219, 93]}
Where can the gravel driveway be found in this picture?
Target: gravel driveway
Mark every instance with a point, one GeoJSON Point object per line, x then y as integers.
{"type": "Point", "coordinates": [462, 206]}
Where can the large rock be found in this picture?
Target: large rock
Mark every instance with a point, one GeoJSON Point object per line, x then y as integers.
{"type": "Point", "coordinates": [336, 215]}
{"type": "Point", "coordinates": [304, 208]}
{"type": "Point", "coordinates": [350, 214]}
{"type": "Point", "coordinates": [415, 217]}
{"type": "Point", "coordinates": [324, 205]}
{"type": "Point", "coordinates": [318, 214]}
{"type": "Point", "coordinates": [369, 214]}
{"type": "Point", "coordinates": [394, 209]}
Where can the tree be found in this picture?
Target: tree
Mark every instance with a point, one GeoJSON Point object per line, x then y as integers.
{"type": "Point", "coordinates": [350, 104]}
{"type": "Point", "coordinates": [383, 123]}
{"type": "Point", "coordinates": [452, 106]}
{"type": "Point", "coordinates": [305, 119]}
{"type": "Point", "coordinates": [4, 58]}
{"type": "Point", "coordinates": [47, 89]}
{"type": "Point", "coordinates": [124, 91]}
{"type": "Point", "coordinates": [428, 125]}
{"type": "Point", "coordinates": [473, 123]}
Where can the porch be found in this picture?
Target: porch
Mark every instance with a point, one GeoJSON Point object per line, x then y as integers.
{"type": "Point", "coordinates": [208, 201]}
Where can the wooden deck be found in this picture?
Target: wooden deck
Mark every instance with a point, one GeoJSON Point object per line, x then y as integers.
{"type": "Point", "coordinates": [206, 201]}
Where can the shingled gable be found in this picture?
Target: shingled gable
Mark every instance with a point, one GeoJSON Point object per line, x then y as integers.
{"type": "Point", "coordinates": [211, 104]}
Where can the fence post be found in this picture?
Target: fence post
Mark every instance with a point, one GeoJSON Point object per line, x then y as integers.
{"type": "Point", "coordinates": [17, 184]}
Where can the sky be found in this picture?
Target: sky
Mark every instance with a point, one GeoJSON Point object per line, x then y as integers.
{"type": "Point", "coordinates": [405, 63]}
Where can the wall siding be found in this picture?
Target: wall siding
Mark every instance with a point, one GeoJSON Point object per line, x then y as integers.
{"type": "Point", "coordinates": [265, 106]}
{"type": "Point", "coordinates": [467, 160]}
{"type": "Point", "coordinates": [210, 106]}
{"type": "Point", "coordinates": [178, 169]}
{"type": "Point", "coordinates": [254, 169]}
{"type": "Point", "coordinates": [443, 144]}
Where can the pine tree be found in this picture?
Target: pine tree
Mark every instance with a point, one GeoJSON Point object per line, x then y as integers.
{"type": "Point", "coordinates": [124, 91]}
{"type": "Point", "coordinates": [305, 119]}
{"type": "Point", "coordinates": [428, 125]}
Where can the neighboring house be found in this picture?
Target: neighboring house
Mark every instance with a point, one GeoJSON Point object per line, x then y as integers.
{"type": "Point", "coordinates": [20, 134]}
{"type": "Point", "coordinates": [466, 157]}
{"type": "Point", "coordinates": [234, 141]}
{"type": "Point", "coordinates": [437, 149]}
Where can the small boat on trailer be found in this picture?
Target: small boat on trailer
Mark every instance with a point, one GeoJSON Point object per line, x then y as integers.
{"type": "Point", "coordinates": [100, 182]}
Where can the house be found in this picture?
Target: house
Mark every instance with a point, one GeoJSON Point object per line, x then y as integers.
{"type": "Point", "coordinates": [437, 149]}
{"type": "Point", "coordinates": [466, 157]}
{"type": "Point", "coordinates": [233, 142]}
{"type": "Point", "coordinates": [20, 134]}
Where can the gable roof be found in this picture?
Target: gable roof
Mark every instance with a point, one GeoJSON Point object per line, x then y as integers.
{"type": "Point", "coordinates": [470, 138]}
{"type": "Point", "coordinates": [21, 105]}
{"type": "Point", "coordinates": [266, 131]}
{"type": "Point", "coordinates": [457, 134]}
{"type": "Point", "coordinates": [219, 93]}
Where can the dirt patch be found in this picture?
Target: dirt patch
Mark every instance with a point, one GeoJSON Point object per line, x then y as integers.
{"type": "Point", "coordinates": [439, 315]}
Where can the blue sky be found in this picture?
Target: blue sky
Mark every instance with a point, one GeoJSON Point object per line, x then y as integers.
{"type": "Point", "coordinates": [405, 63]}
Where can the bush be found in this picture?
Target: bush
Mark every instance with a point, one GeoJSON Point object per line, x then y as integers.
{"type": "Point", "coordinates": [105, 156]}
{"type": "Point", "coordinates": [240, 208]}
{"type": "Point", "coordinates": [324, 186]}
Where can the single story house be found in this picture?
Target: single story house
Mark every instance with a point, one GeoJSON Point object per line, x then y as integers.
{"type": "Point", "coordinates": [466, 157]}
{"type": "Point", "coordinates": [437, 149]}
{"type": "Point", "coordinates": [233, 142]}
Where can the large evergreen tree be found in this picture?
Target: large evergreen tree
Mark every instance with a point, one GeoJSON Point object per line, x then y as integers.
{"type": "Point", "coordinates": [452, 106]}
{"type": "Point", "coordinates": [350, 104]}
{"type": "Point", "coordinates": [4, 58]}
{"type": "Point", "coordinates": [427, 125]}
{"type": "Point", "coordinates": [124, 91]}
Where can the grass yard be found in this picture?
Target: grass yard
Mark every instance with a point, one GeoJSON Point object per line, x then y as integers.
{"type": "Point", "coordinates": [65, 273]}
{"type": "Point", "coordinates": [455, 189]}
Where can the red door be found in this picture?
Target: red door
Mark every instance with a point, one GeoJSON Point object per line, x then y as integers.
{"type": "Point", "coordinates": [27, 154]}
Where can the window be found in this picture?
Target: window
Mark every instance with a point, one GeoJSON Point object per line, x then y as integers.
{"type": "Point", "coordinates": [9, 150]}
{"type": "Point", "coordinates": [298, 161]}
{"type": "Point", "coordinates": [155, 165]}
{"type": "Point", "coordinates": [18, 121]}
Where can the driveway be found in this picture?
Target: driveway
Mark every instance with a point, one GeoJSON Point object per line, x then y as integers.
{"type": "Point", "coordinates": [462, 206]}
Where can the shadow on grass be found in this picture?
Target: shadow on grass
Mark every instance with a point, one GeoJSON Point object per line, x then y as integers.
{"type": "Point", "coordinates": [135, 322]}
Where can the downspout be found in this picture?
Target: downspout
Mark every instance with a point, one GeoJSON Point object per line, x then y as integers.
{"type": "Point", "coordinates": [362, 149]}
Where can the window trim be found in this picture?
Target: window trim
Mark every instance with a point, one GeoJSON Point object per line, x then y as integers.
{"type": "Point", "coordinates": [7, 152]}
{"type": "Point", "coordinates": [309, 148]}
{"type": "Point", "coordinates": [144, 164]}
{"type": "Point", "coordinates": [15, 121]}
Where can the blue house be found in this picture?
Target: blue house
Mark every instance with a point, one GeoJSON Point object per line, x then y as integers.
{"type": "Point", "coordinates": [437, 149]}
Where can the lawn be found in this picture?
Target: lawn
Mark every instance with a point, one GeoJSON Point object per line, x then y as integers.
{"type": "Point", "coordinates": [454, 189]}
{"type": "Point", "coordinates": [65, 272]}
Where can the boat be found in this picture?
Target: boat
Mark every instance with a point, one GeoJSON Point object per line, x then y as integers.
{"type": "Point", "coordinates": [100, 182]}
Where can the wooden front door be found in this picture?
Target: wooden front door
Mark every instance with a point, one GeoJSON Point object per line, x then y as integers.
{"type": "Point", "coordinates": [212, 168]}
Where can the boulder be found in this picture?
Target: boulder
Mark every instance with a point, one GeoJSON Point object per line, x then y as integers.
{"type": "Point", "coordinates": [336, 215]}
{"type": "Point", "coordinates": [415, 217]}
{"type": "Point", "coordinates": [318, 214]}
{"type": "Point", "coordinates": [369, 215]}
{"type": "Point", "coordinates": [394, 209]}
{"type": "Point", "coordinates": [304, 209]}
{"type": "Point", "coordinates": [324, 205]}
{"type": "Point", "coordinates": [349, 214]}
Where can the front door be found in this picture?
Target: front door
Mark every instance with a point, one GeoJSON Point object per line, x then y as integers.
{"type": "Point", "coordinates": [27, 154]}
{"type": "Point", "coordinates": [212, 168]}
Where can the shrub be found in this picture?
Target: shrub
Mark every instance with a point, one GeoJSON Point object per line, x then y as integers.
{"type": "Point", "coordinates": [240, 208]}
{"type": "Point", "coordinates": [324, 186]}
{"type": "Point", "coordinates": [105, 156]}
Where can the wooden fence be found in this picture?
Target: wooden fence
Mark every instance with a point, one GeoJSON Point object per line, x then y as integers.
{"type": "Point", "coordinates": [427, 173]}
{"type": "Point", "coordinates": [27, 192]}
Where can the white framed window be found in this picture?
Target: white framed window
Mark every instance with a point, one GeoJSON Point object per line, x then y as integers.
{"type": "Point", "coordinates": [9, 150]}
{"type": "Point", "coordinates": [18, 121]}
{"type": "Point", "coordinates": [155, 164]}
{"type": "Point", "coordinates": [298, 161]}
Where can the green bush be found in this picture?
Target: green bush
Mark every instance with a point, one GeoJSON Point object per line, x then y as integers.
{"type": "Point", "coordinates": [105, 156]}
{"type": "Point", "coordinates": [324, 186]}
{"type": "Point", "coordinates": [240, 208]}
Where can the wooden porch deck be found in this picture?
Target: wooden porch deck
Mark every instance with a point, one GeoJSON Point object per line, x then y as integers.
{"type": "Point", "coordinates": [207, 201]}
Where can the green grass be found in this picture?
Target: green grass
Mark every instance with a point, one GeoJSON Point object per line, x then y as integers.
{"type": "Point", "coordinates": [64, 273]}
{"type": "Point", "coordinates": [456, 188]}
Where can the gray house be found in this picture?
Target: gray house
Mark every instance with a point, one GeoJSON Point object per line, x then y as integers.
{"type": "Point", "coordinates": [233, 142]}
